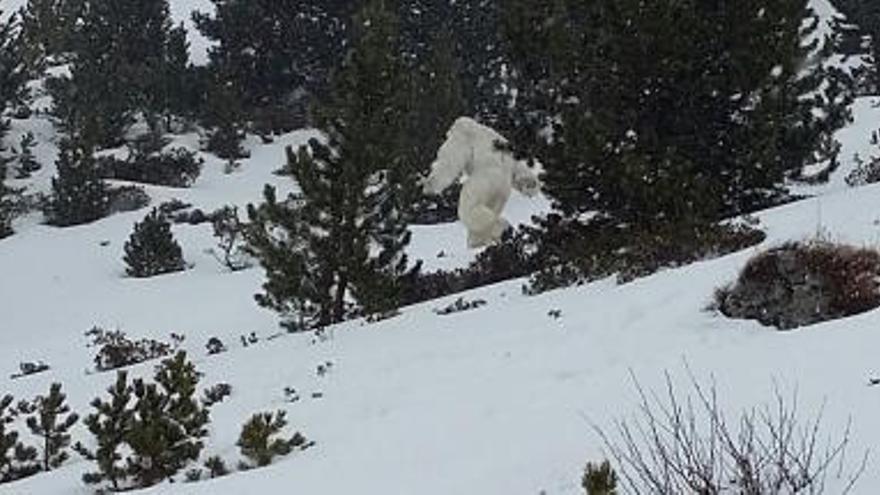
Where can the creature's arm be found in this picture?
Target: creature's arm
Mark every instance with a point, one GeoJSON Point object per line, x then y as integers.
{"type": "Point", "coordinates": [525, 180]}
{"type": "Point", "coordinates": [452, 159]}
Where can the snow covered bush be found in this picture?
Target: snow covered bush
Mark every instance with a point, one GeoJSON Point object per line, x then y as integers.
{"type": "Point", "coordinates": [866, 172]}
{"type": "Point", "coordinates": [460, 305]}
{"type": "Point", "coordinates": [151, 250]}
{"type": "Point", "coordinates": [679, 443]}
{"type": "Point", "coordinates": [178, 167]}
{"type": "Point", "coordinates": [259, 441]}
{"type": "Point", "coordinates": [216, 467]}
{"type": "Point", "coordinates": [799, 284]}
{"type": "Point", "coordinates": [127, 198]}
{"type": "Point", "coordinates": [216, 393]}
{"type": "Point", "coordinates": [116, 350]}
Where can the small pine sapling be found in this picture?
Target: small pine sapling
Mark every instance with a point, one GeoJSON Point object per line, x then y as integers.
{"type": "Point", "coordinates": [51, 422]}
{"type": "Point", "coordinates": [216, 467]}
{"type": "Point", "coordinates": [229, 231]}
{"type": "Point", "coordinates": [152, 250]}
{"type": "Point", "coordinates": [258, 440]}
{"type": "Point", "coordinates": [599, 479]}
{"type": "Point", "coordinates": [16, 460]}
{"type": "Point", "coordinates": [109, 425]}
{"type": "Point", "coordinates": [169, 423]}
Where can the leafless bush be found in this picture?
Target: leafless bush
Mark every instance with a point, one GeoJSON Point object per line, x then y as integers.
{"type": "Point", "coordinates": [683, 444]}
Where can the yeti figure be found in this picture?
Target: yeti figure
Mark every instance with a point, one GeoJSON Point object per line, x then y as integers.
{"type": "Point", "coordinates": [471, 150]}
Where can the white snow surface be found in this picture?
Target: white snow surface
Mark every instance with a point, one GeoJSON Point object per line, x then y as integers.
{"type": "Point", "coordinates": [498, 400]}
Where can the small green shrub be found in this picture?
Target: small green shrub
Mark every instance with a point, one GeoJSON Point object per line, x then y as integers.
{"type": "Point", "coordinates": [259, 441]}
{"type": "Point", "coordinates": [152, 250]}
{"type": "Point", "coordinates": [599, 479]}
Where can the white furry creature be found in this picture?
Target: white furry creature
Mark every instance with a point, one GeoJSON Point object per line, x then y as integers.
{"type": "Point", "coordinates": [471, 149]}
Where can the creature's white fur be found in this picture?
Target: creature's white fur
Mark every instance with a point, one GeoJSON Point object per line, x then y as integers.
{"type": "Point", "coordinates": [471, 149]}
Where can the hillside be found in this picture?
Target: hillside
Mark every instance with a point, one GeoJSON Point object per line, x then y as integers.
{"type": "Point", "coordinates": [498, 400]}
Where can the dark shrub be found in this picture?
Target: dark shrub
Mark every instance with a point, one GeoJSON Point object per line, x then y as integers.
{"type": "Point", "coordinates": [599, 479]}
{"type": "Point", "coordinates": [799, 284]}
{"type": "Point", "coordinates": [216, 393]}
{"type": "Point", "coordinates": [573, 253]}
{"type": "Point", "coordinates": [128, 198]}
{"type": "Point", "coordinates": [116, 350]}
{"type": "Point", "coordinates": [259, 441]}
{"type": "Point", "coordinates": [151, 249]}
{"type": "Point", "coordinates": [174, 168]}
{"type": "Point", "coordinates": [512, 258]}
{"type": "Point", "coordinates": [460, 305]}
{"type": "Point", "coordinates": [864, 173]}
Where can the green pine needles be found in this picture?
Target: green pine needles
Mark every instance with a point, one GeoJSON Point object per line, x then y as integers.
{"type": "Point", "coordinates": [152, 250]}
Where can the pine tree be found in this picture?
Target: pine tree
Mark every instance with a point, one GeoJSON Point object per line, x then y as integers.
{"type": "Point", "coordinates": [48, 30]}
{"type": "Point", "coordinates": [120, 67]}
{"type": "Point", "coordinates": [351, 191]}
{"type": "Point", "coordinates": [151, 250]}
{"type": "Point", "coordinates": [258, 441]}
{"type": "Point", "coordinates": [168, 423]}
{"type": "Point", "coordinates": [8, 202]}
{"type": "Point", "coordinates": [13, 73]}
{"type": "Point", "coordinates": [666, 112]}
{"type": "Point", "coordinates": [110, 425]}
{"type": "Point", "coordinates": [270, 50]}
{"type": "Point", "coordinates": [79, 195]}
{"type": "Point", "coordinates": [50, 424]}
{"type": "Point", "coordinates": [436, 100]}
{"type": "Point", "coordinates": [16, 460]}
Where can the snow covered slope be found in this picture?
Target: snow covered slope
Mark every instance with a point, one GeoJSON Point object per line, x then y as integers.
{"type": "Point", "coordinates": [499, 400]}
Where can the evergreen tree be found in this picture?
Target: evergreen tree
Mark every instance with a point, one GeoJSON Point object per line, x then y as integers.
{"type": "Point", "coordinates": [667, 111]}
{"type": "Point", "coordinates": [859, 35]}
{"type": "Point", "coordinates": [151, 250]}
{"type": "Point", "coordinates": [270, 49]}
{"type": "Point", "coordinates": [126, 60]}
{"type": "Point", "coordinates": [168, 423]}
{"type": "Point", "coordinates": [13, 74]}
{"type": "Point", "coordinates": [16, 460]}
{"type": "Point", "coordinates": [351, 186]}
{"type": "Point", "coordinates": [79, 195]}
{"type": "Point", "coordinates": [8, 202]}
{"type": "Point", "coordinates": [50, 424]}
{"type": "Point", "coordinates": [48, 30]}
{"type": "Point", "coordinates": [258, 441]}
{"type": "Point", "coordinates": [470, 31]}
{"type": "Point", "coordinates": [225, 115]}
{"type": "Point", "coordinates": [110, 425]}
{"type": "Point", "coordinates": [436, 100]}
